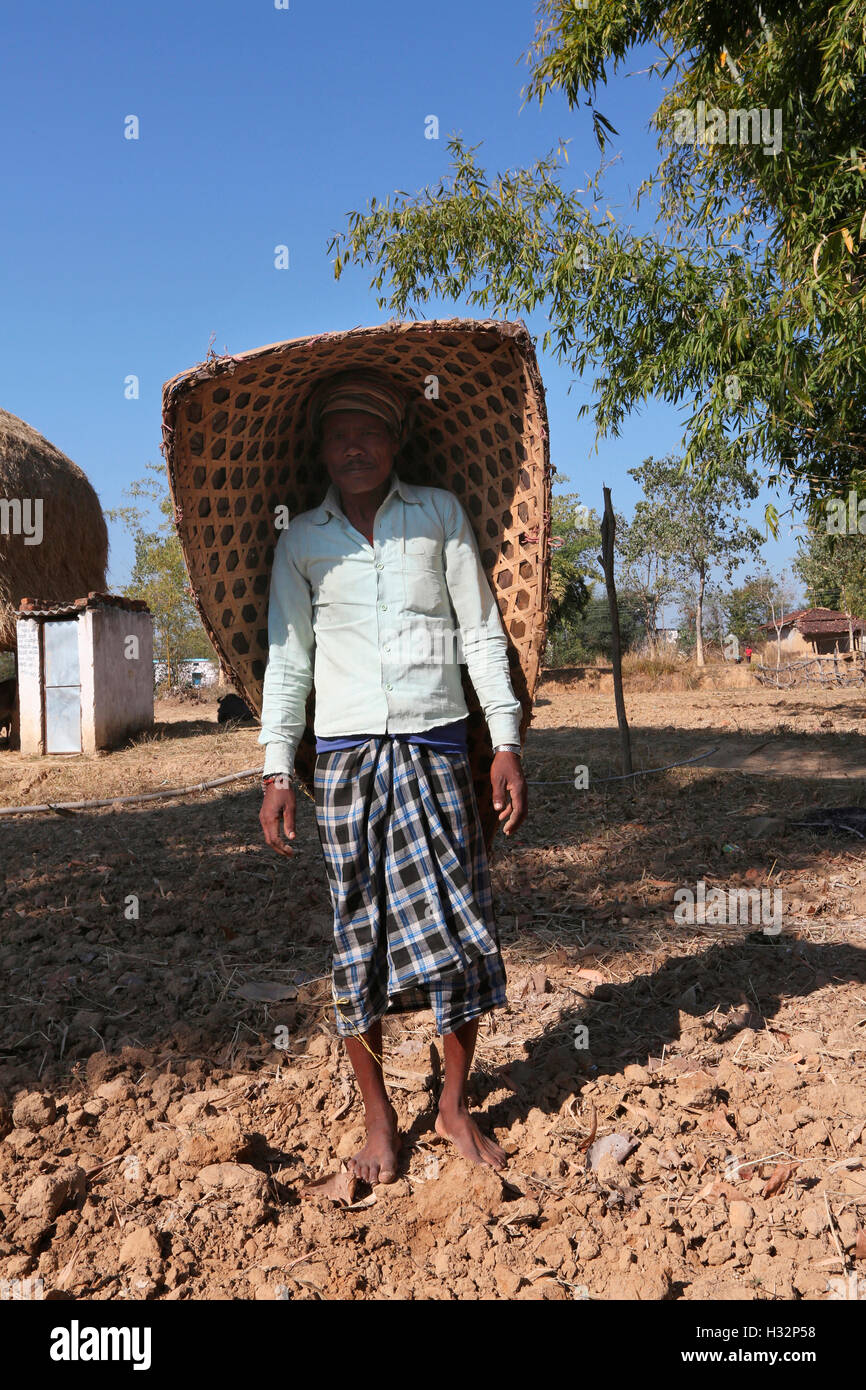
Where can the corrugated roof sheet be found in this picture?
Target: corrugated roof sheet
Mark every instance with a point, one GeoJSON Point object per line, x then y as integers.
{"type": "Point", "coordinates": [48, 608]}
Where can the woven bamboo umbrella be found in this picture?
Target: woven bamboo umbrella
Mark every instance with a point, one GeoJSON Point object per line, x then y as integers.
{"type": "Point", "coordinates": [236, 440]}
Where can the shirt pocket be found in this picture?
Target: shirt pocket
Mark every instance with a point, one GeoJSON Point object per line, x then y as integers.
{"type": "Point", "coordinates": [339, 592]}
{"type": "Point", "coordinates": [424, 588]}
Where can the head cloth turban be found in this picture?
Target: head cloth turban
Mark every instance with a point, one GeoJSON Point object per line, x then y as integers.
{"type": "Point", "coordinates": [360, 390]}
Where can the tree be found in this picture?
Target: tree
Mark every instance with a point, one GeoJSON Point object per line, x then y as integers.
{"type": "Point", "coordinates": [574, 562]}
{"type": "Point", "coordinates": [778, 597]}
{"type": "Point", "coordinates": [747, 304]}
{"type": "Point", "coordinates": [745, 610]}
{"type": "Point", "coordinates": [833, 571]}
{"type": "Point", "coordinates": [590, 634]}
{"type": "Point", "coordinates": [159, 575]}
{"type": "Point", "coordinates": [646, 572]}
{"type": "Point", "coordinates": [713, 618]}
{"type": "Point", "coordinates": [691, 522]}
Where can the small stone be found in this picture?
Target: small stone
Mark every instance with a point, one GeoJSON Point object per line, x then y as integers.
{"type": "Point", "coordinates": [507, 1282]}
{"type": "Point", "coordinates": [115, 1091]}
{"type": "Point", "coordinates": [34, 1111]}
{"type": "Point", "coordinates": [49, 1194]}
{"type": "Point", "coordinates": [476, 1242]}
{"type": "Point", "coordinates": [100, 1066]}
{"type": "Point", "coordinates": [815, 1220]}
{"type": "Point", "coordinates": [741, 1215]}
{"type": "Point", "coordinates": [238, 1178]}
{"type": "Point", "coordinates": [719, 1252]}
{"type": "Point", "coordinates": [351, 1142]}
{"type": "Point", "coordinates": [810, 1282]}
{"type": "Point", "coordinates": [848, 1228]}
{"type": "Point", "coordinates": [554, 1250]}
{"type": "Point", "coordinates": [221, 1141]}
{"type": "Point", "coordinates": [636, 1074]}
{"type": "Point", "coordinates": [140, 1247]}
{"type": "Point", "coordinates": [30, 1234]}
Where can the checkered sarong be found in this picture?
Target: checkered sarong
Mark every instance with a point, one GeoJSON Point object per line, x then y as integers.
{"type": "Point", "coordinates": [410, 885]}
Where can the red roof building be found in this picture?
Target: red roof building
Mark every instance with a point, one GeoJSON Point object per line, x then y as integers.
{"type": "Point", "coordinates": [817, 631]}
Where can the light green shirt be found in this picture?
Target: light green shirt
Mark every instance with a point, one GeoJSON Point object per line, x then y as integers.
{"type": "Point", "coordinates": [382, 628]}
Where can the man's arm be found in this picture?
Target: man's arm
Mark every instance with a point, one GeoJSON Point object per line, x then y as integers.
{"type": "Point", "coordinates": [289, 673]}
{"type": "Point", "coordinates": [483, 639]}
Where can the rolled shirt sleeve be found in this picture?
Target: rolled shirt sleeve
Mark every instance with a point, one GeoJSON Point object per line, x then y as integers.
{"type": "Point", "coordinates": [291, 646]}
{"type": "Point", "coordinates": [482, 636]}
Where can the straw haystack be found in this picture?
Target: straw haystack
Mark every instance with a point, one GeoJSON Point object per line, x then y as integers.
{"type": "Point", "coordinates": [72, 554]}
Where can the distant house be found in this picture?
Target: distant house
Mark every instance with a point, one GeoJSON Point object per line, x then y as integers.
{"type": "Point", "coordinates": [815, 632]}
{"type": "Point", "coordinates": [193, 670]}
{"type": "Point", "coordinates": [83, 673]}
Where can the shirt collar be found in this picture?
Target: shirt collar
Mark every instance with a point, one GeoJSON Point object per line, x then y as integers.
{"type": "Point", "coordinates": [330, 505]}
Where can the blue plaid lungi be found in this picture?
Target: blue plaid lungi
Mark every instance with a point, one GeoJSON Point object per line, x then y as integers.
{"type": "Point", "coordinates": [410, 885]}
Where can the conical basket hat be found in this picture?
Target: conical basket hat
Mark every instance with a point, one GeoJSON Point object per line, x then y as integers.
{"type": "Point", "coordinates": [236, 439]}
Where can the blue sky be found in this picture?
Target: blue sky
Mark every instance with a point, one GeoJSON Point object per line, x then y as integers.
{"type": "Point", "coordinates": [258, 127]}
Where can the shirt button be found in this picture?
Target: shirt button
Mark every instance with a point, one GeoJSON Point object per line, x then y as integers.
{"type": "Point", "coordinates": [384, 607]}
{"type": "Point", "coordinates": [379, 565]}
{"type": "Point", "coordinates": [389, 687]}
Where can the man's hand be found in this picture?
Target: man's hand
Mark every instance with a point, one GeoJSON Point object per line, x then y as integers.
{"type": "Point", "coordinates": [510, 797]}
{"type": "Point", "coordinates": [279, 805]}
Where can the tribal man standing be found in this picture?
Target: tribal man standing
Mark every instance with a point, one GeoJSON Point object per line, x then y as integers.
{"type": "Point", "coordinates": [377, 595]}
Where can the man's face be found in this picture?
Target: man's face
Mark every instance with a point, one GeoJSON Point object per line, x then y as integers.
{"type": "Point", "coordinates": [358, 450]}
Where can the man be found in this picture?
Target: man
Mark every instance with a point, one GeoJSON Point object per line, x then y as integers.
{"type": "Point", "coordinates": [365, 590]}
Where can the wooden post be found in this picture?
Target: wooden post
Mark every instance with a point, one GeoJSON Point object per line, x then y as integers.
{"type": "Point", "coordinates": [608, 532]}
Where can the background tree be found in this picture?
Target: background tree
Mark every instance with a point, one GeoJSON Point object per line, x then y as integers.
{"type": "Point", "coordinates": [713, 622]}
{"type": "Point", "coordinates": [747, 305]}
{"type": "Point", "coordinates": [692, 522]}
{"type": "Point", "coordinates": [779, 597]}
{"type": "Point", "coordinates": [646, 572]}
{"type": "Point", "coordinates": [745, 609]}
{"type": "Point", "coordinates": [159, 576]}
{"type": "Point", "coordinates": [589, 635]}
{"type": "Point", "coordinates": [576, 532]}
{"type": "Point", "coordinates": [833, 571]}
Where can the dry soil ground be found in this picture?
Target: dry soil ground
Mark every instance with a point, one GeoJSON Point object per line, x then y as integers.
{"type": "Point", "coordinates": [170, 1081]}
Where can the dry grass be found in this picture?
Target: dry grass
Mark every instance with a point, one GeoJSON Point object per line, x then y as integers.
{"type": "Point", "coordinates": [185, 745]}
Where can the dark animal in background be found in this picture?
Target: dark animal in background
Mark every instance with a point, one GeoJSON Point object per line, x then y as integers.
{"type": "Point", "coordinates": [7, 705]}
{"type": "Point", "coordinates": [233, 707]}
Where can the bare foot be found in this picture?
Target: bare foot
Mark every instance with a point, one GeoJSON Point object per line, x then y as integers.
{"type": "Point", "coordinates": [377, 1161]}
{"type": "Point", "coordinates": [458, 1126]}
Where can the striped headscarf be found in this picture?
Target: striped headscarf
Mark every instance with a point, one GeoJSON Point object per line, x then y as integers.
{"type": "Point", "coordinates": [369, 391]}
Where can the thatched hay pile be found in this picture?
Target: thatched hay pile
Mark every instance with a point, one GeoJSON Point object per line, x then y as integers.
{"type": "Point", "coordinates": [70, 560]}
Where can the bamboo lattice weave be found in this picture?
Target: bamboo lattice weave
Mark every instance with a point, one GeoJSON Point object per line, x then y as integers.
{"type": "Point", "coordinates": [236, 439]}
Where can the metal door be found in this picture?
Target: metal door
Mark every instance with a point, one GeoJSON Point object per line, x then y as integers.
{"type": "Point", "coordinates": [62, 687]}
